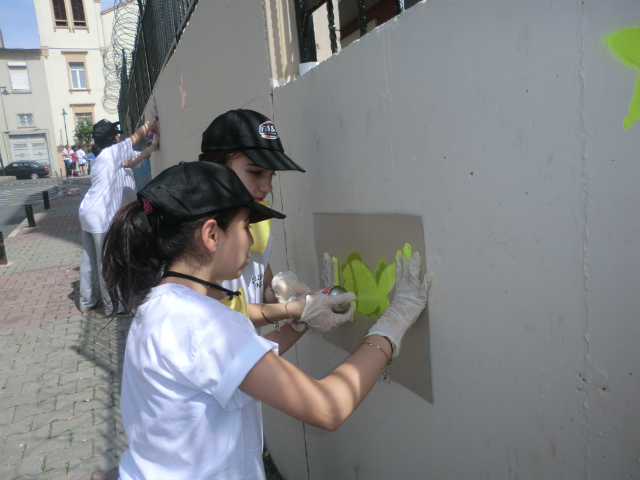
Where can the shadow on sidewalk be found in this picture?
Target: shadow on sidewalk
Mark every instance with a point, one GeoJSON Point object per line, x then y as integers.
{"type": "Point", "coordinates": [103, 343]}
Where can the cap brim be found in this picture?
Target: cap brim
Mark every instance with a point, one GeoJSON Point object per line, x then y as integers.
{"type": "Point", "coordinates": [260, 213]}
{"type": "Point", "coordinates": [271, 160]}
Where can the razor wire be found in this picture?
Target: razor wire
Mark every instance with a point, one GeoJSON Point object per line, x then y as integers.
{"type": "Point", "coordinates": [159, 26]}
{"type": "Point", "coordinates": [123, 39]}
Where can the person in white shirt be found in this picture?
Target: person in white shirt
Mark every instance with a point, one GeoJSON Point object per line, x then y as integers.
{"type": "Point", "coordinates": [82, 160]}
{"type": "Point", "coordinates": [66, 158]}
{"type": "Point", "coordinates": [112, 185]}
{"type": "Point", "coordinates": [247, 142]}
{"type": "Point", "coordinates": [195, 371]}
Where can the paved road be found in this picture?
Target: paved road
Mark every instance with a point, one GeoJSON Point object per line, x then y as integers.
{"type": "Point", "coordinates": [17, 193]}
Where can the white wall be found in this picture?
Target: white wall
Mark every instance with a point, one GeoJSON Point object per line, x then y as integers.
{"type": "Point", "coordinates": [500, 123]}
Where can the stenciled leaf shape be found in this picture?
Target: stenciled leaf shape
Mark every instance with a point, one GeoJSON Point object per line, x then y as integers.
{"type": "Point", "coordinates": [371, 296]}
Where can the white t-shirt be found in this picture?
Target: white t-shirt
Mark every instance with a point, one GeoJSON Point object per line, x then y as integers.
{"type": "Point", "coordinates": [183, 413]}
{"type": "Point", "coordinates": [82, 157]}
{"type": "Point", "coordinates": [111, 187]}
{"type": "Point", "coordinates": [252, 279]}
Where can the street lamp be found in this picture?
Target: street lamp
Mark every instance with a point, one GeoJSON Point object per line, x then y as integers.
{"type": "Point", "coordinates": [64, 119]}
{"type": "Point", "coordinates": [3, 92]}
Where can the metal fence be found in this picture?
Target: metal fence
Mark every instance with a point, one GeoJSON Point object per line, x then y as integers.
{"type": "Point", "coordinates": [159, 29]}
{"type": "Point", "coordinates": [306, 34]}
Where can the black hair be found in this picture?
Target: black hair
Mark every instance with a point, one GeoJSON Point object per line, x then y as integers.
{"type": "Point", "coordinates": [133, 255]}
{"type": "Point", "coordinates": [100, 145]}
{"type": "Point", "coordinates": [223, 157]}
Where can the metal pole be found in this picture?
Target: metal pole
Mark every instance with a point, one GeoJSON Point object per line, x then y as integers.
{"type": "Point", "coordinates": [64, 119]}
{"type": "Point", "coordinates": [3, 253]}
{"type": "Point", "coordinates": [399, 6]}
{"type": "Point", "coordinates": [45, 198]}
{"type": "Point", "coordinates": [29, 211]}
{"type": "Point", "coordinates": [332, 27]}
{"type": "Point", "coordinates": [362, 17]}
{"type": "Point", "coordinates": [6, 125]}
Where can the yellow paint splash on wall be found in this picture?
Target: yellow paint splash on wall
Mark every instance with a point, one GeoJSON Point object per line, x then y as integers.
{"type": "Point", "coordinates": [626, 43]}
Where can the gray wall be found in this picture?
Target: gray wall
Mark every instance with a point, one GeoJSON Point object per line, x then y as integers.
{"type": "Point", "coordinates": [500, 123]}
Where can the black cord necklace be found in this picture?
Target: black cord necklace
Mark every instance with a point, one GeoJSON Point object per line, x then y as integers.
{"type": "Point", "coordinates": [231, 293]}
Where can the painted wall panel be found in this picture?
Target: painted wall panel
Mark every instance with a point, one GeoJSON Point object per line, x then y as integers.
{"type": "Point", "coordinates": [499, 123]}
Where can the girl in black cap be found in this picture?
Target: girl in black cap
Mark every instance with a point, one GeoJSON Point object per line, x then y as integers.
{"type": "Point", "coordinates": [195, 371]}
{"type": "Point", "coordinates": [248, 142]}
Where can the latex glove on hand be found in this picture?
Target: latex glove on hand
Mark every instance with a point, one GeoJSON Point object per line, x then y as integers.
{"type": "Point", "coordinates": [286, 285]}
{"type": "Point", "coordinates": [330, 271]}
{"type": "Point", "coordinates": [318, 315]}
{"type": "Point", "coordinates": [408, 302]}
{"type": "Point", "coordinates": [155, 144]}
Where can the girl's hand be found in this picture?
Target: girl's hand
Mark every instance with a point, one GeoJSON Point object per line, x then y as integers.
{"type": "Point", "coordinates": [286, 285]}
{"type": "Point", "coordinates": [317, 312]}
{"type": "Point", "coordinates": [408, 302]}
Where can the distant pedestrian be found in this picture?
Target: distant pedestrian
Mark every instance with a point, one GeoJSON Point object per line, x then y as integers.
{"type": "Point", "coordinates": [112, 185]}
{"type": "Point", "coordinates": [90, 157]}
{"type": "Point", "coordinates": [82, 161]}
{"type": "Point", "coordinates": [66, 158]}
{"type": "Point", "coordinates": [74, 161]}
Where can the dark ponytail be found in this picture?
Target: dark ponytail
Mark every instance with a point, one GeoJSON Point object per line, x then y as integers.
{"type": "Point", "coordinates": [133, 255]}
{"type": "Point", "coordinates": [131, 262]}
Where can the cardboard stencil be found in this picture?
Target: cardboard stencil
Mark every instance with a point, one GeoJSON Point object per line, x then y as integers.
{"type": "Point", "coordinates": [377, 237]}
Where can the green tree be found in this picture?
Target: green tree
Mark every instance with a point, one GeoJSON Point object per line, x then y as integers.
{"type": "Point", "coordinates": [84, 129]}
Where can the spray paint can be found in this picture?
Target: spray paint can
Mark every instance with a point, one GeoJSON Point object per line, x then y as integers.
{"type": "Point", "coordinates": [332, 290]}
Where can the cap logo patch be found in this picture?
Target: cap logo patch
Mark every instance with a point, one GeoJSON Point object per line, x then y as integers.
{"type": "Point", "coordinates": [268, 130]}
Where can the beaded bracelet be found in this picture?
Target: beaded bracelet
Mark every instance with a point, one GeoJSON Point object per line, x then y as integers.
{"type": "Point", "coordinates": [265, 317]}
{"type": "Point", "coordinates": [378, 347]}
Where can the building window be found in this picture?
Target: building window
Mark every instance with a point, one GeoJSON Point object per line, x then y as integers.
{"type": "Point", "coordinates": [87, 115]}
{"type": "Point", "coordinates": [78, 77]}
{"type": "Point", "coordinates": [19, 76]}
{"type": "Point", "coordinates": [26, 120]}
{"type": "Point", "coordinates": [60, 13]}
{"type": "Point", "coordinates": [77, 8]}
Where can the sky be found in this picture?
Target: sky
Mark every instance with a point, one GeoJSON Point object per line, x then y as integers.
{"type": "Point", "coordinates": [19, 25]}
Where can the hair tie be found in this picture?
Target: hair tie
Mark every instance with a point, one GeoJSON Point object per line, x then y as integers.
{"type": "Point", "coordinates": [147, 206]}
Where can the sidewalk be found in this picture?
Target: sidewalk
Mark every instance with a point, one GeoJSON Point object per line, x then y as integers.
{"type": "Point", "coordinates": [59, 373]}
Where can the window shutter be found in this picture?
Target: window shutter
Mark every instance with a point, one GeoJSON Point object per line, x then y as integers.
{"type": "Point", "coordinates": [78, 11]}
{"type": "Point", "coordinates": [19, 78]}
{"type": "Point", "coordinates": [60, 13]}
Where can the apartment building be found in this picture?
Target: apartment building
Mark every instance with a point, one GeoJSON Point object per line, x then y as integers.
{"type": "Point", "coordinates": [73, 41]}
{"type": "Point", "coordinates": [26, 121]}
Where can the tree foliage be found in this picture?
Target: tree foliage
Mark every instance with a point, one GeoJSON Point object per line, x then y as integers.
{"type": "Point", "coordinates": [83, 131]}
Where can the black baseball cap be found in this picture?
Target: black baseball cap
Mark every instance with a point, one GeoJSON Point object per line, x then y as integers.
{"type": "Point", "coordinates": [104, 130]}
{"type": "Point", "coordinates": [191, 189]}
{"type": "Point", "coordinates": [250, 133]}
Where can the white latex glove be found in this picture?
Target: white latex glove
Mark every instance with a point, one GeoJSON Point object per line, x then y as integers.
{"type": "Point", "coordinates": [318, 315]}
{"type": "Point", "coordinates": [329, 271]}
{"type": "Point", "coordinates": [155, 144]}
{"type": "Point", "coordinates": [285, 285]}
{"type": "Point", "coordinates": [407, 304]}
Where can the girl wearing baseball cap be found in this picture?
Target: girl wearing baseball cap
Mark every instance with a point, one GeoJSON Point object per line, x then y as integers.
{"type": "Point", "coordinates": [248, 142]}
{"type": "Point", "coordinates": [195, 371]}
{"type": "Point", "coordinates": [112, 185]}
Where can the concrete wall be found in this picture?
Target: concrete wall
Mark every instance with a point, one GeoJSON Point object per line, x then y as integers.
{"type": "Point", "coordinates": [500, 123]}
{"type": "Point", "coordinates": [36, 102]}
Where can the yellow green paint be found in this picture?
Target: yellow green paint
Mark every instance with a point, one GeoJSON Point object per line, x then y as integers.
{"type": "Point", "coordinates": [626, 43]}
{"type": "Point", "coordinates": [371, 289]}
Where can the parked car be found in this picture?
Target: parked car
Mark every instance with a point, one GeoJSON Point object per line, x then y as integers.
{"type": "Point", "coordinates": [26, 170]}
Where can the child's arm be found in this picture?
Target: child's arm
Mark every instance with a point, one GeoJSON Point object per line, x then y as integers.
{"type": "Point", "coordinates": [327, 403]}
{"type": "Point", "coordinates": [269, 296]}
